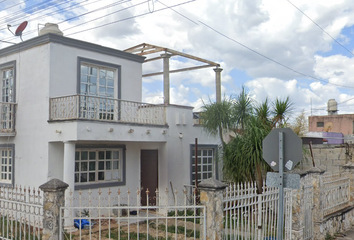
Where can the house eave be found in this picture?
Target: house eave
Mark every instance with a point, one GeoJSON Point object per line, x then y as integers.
{"type": "Point", "coordinates": [70, 42]}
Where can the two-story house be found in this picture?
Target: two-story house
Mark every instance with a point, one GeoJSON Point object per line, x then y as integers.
{"type": "Point", "coordinates": [72, 110]}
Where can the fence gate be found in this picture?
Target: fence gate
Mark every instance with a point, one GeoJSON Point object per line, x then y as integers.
{"type": "Point", "coordinates": [248, 215]}
{"type": "Point", "coordinates": [103, 214]}
{"type": "Point", "coordinates": [308, 205]}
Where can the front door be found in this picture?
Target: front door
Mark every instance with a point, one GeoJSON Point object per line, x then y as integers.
{"type": "Point", "coordinates": [149, 176]}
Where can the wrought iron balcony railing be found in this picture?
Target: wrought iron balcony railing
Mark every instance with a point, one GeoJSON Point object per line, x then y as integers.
{"type": "Point", "coordinates": [7, 119]}
{"type": "Point", "coordinates": [106, 109]}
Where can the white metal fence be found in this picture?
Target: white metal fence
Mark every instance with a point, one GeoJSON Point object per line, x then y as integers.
{"type": "Point", "coordinates": [21, 213]}
{"type": "Point", "coordinates": [106, 109]}
{"type": "Point", "coordinates": [335, 192]}
{"type": "Point", "coordinates": [104, 214]}
{"type": "Point", "coordinates": [248, 215]}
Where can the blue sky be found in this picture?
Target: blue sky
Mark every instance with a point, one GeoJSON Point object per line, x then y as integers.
{"type": "Point", "coordinates": [210, 29]}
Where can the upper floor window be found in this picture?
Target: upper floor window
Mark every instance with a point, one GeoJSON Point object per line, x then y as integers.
{"type": "Point", "coordinates": [97, 81]}
{"type": "Point", "coordinates": [99, 78]}
{"type": "Point", "coordinates": [320, 124]}
{"type": "Point", "coordinates": [8, 81]}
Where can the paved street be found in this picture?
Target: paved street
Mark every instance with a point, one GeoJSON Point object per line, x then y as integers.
{"type": "Point", "coordinates": [349, 235]}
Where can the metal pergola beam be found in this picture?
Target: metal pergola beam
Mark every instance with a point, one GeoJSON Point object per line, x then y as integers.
{"type": "Point", "coordinates": [177, 70]}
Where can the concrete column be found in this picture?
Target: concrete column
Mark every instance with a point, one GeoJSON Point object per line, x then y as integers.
{"type": "Point", "coordinates": [166, 78]}
{"type": "Point", "coordinates": [218, 83]}
{"type": "Point", "coordinates": [211, 195]}
{"type": "Point", "coordinates": [69, 178]}
{"type": "Point", "coordinates": [69, 164]}
{"type": "Point", "coordinates": [53, 200]}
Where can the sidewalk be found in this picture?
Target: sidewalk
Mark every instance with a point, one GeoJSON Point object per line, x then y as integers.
{"type": "Point", "coordinates": [349, 235]}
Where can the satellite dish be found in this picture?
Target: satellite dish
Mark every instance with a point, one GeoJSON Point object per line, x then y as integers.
{"type": "Point", "coordinates": [328, 127]}
{"type": "Point", "coordinates": [19, 29]}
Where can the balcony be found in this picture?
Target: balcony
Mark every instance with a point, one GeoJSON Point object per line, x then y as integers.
{"type": "Point", "coordinates": [106, 109]}
{"type": "Point", "coordinates": [7, 120]}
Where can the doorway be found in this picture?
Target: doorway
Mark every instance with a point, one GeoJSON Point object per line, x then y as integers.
{"type": "Point", "coordinates": [149, 176]}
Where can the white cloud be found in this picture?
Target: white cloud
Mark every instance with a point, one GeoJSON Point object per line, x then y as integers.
{"type": "Point", "coordinates": [271, 27]}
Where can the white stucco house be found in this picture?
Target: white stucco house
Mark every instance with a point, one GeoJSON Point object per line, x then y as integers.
{"type": "Point", "coordinates": [72, 110]}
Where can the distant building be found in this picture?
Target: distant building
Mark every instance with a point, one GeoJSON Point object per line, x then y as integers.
{"type": "Point", "coordinates": [332, 123]}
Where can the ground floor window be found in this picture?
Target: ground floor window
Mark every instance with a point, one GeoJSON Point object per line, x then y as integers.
{"type": "Point", "coordinates": [7, 153]}
{"type": "Point", "coordinates": [205, 162]}
{"type": "Point", "coordinates": [98, 166]}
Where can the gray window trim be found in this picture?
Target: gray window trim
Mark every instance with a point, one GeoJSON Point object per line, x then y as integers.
{"type": "Point", "coordinates": [201, 146]}
{"type": "Point", "coordinates": [107, 184]}
{"type": "Point", "coordinates": [118, 68]}
{"type": "Point", "coordinates": [9, 65]}
{"type": "Point", "coordinates": [12, 146]}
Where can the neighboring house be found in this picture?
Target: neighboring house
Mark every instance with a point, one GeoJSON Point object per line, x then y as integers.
{"type": "Point", "coordinates": [334, 128]}
{"type": "Point", "coordinates": [72, 110]}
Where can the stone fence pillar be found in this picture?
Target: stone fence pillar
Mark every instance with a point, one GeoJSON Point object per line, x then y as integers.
{"type": "Point", "coordinates": [349, 169]}
{"type": "Point", "coordinates": [54, 198]}
{"type": "Point", "coordinates": [211, 196]}
{"type": "Point", "coordinates": [306, 208]}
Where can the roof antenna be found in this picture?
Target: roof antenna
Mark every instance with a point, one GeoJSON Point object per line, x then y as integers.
{"type": "Point", "coordinates": [19, 29]}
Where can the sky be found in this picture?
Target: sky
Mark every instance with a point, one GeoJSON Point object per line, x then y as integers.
{"type": "Point", "coordinates": [274, 48]}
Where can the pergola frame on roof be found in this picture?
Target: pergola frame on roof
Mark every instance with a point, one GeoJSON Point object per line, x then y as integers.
{"type": "Point", "coordinates": [146, 49]}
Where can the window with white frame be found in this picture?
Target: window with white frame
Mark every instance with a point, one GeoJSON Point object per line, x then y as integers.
{"type": "Point", "coordinates": [98, 86]}
{"type": "Point", "coordinates": [98, 166]}
{"type": "Point", "coordinates": [205, 162]}
{"type": "Point", "coordinates": [7, 80]}
{"type": "Point", "coordinates": [7, 153]}
{"type": "Point", "coordinates": [96, 81]}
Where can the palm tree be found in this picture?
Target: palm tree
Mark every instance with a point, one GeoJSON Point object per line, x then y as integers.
{"type": "Point", "coordinates": [242, 157]}
{"type": "Point", "coordinates": [281, 110]}
{"type": "Point", "coordinates": [217, 116]}
{"type": "Point", "coordinates": [243, 108]}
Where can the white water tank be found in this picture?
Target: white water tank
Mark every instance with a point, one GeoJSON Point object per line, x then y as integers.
{"type": "Point", "coordinates": [50, 28]}
{"type": "Point", "coordinates": [332, 107]}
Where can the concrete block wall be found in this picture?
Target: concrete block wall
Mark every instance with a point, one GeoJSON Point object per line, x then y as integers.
{"type": "Point", "coordinates": [329, 158]}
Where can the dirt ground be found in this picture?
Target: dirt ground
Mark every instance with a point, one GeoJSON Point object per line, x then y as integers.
{"type": "Point", "coordinates": [96, 232]}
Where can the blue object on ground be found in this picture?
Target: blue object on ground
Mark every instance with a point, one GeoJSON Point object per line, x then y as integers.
{"type": "Point", "coordinates": [270, 238]}
{"type": "Point", "coordinates": [81, 223]}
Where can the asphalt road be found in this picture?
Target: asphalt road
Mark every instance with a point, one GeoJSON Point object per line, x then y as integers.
{"type": "Point", "coordinates": [349, 235]}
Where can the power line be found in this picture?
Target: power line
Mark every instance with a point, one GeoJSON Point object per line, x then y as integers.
{"type": "Point", "coordinates": [120, 10]}
{"type": "Point", "coordinates": [270, 59]}
{"type": "Point", "coordinates": [98, 9]}
{"type": "Point", "coordinates": [12, 16]}
{"type": "Point", "coordinates": [128, 18]}
{"type": "Point", "coordinates": [178, 13]}
{"type": "Point", "coordinates": [70, 7]}
{"type": "Point", "coordinates": [14, 5]}
{"type": "Point", "coordinates": [46, 14]}
{"type": "Point", "coordinates": [321, 28]}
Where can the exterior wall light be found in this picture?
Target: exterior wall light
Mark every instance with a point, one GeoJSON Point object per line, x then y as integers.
{"type": "Point", "coordinates": [164, 131]}
{"type": "Point", "coordinates": [58, 131]}
{"type": "Point", "coordinates": [180, 135]}
{"type": "Point", "coordinates": [148, 131]}
{"type": "Point", "coordinates": [110, 129]}
{"type": "Point", "coordinates": [131, 130]}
